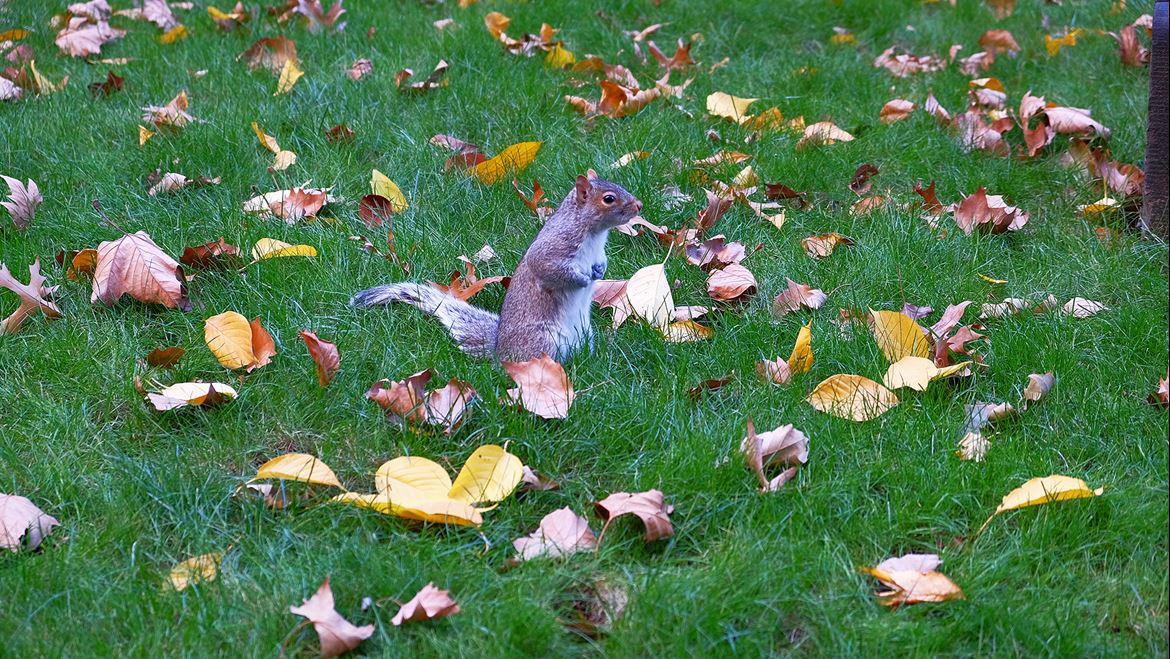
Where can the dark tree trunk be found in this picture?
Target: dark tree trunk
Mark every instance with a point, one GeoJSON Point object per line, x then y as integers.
{"type": "Point", "coordinates": [1154, 212]}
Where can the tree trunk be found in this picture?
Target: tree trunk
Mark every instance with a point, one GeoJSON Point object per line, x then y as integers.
{"type": "Point", "coordinates": [1154, 211]}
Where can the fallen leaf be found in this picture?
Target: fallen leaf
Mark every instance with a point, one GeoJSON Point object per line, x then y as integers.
{"type": "Point", "coordinates": [172, 115]}
{"type": "Point", "coordinates": [165, 357]}
{"type": "Point", "coordinates": [796, 296]}
{"type": "Point", "coordinates": [822, 133]}
{"type": "Point", "coordinates": [561, 533]}
{"type": "Point", "coordinates": [194, 394]}
{"type": "Point", "coordinates": [732, 282]}
{"type": "Point", "coordinates": [236, 343]}
{"type": "Point", "coordinates": [852, 397]}
{"type": "Point", "coordinates": [382, 186]}
{"type": "Point", "coordinates": [533, 481]}
{"type": "Point", "coordinates": [726, 106]}
{"type": "Point", "coordinates": [1040, 491]}
{"type": "Point", "coordinates": [22, 523]}
{"type": "Point", "coordinates": [987, 213]}
{"type": "Point", "coordinates": [271, 53]}
{"type": "Point", "coordinates": [898, 336]}
{"type": "Point", "coordinates": [785, 447]}
{"type": "Point", "coordinates": [32, 297]}
{"type": "Point", "coordinates": [22, 201]}
{"type": "Point", "coordinates": [1038, 386]}
{"type": "Point", "coordinates": [111, 84]}
{"type": "Point", "coordinates": [300, 467]}
{"type": "Point", "coordinates": [648, 506]}
{"type": "Point", "coordinates": [325, 356]}
{"type": "Point", "coordinates": [433, 81]}
{"type": "Point", "coordinates": [912, 579]}
{"type": "Point", "coordinates": [490, 475]}
{"type": "Point", "coordinates": [973, 446]}
{"type": "Point", "coordinates": [821, 245]}
{"type": "Point", "coordinates": [895, 110]}
{"type": "Point", "coordinates": [134, 265]}
{"type": "Point", "coordinates": [337, 635]}
{"type": "Point", "coordinates": [902, 64]}
{"type": "Point", "coordinates": [213, 254]}
{"type": "Point", "coordinates": [542, 387]}
{"type": "Point", "coordinates": [174, 34]}
{"type": "Point", "coordinates": [1079, 307]}
{"type": "Point", "coordinates": [649, 297]}
{"type": "Point", "coordinates": [292, 205]}
{"type": "Point", "coordinates": [81, 37]}
{"type": "Point", "coordinates": [611, 294]}
{"type": "Point", "coordinates": [1054, 44]}
{"type": "Point", "coordinates": [289, 75]}
{"type": "Point", "coordinates": [267, 248]}
{"type": "Point", "coordinates": [195, 570]}
{"type": "Point", "coordinates": [917, 373]}
{"type": "Point", "coordinates": [429, 604]}
{"type": "Point", "coordinates": [513, 159]}
{"type": "Point", "coordinates": [999, 41]}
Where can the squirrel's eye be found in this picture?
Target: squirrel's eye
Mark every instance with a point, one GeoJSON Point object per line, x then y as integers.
{"type": "Point", "coordinates": [609, 198]}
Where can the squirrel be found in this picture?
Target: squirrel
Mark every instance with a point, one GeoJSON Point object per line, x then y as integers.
{"type": "Point", "coordinates": [547, 305]}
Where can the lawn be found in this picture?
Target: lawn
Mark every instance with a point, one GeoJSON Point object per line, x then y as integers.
{"type": "Point", "coordinates": [745, 573]}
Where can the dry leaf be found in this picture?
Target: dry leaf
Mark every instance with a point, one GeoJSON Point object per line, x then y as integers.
{"type": "Point", "coordinates": [917, 373]}
{"type": "Point", "coordinates": [195, 570]}
{"type": "Point", "coordinates": [796, 296]}
{"type": "Point", "coordinates": [1038, 386]}
{"type": "Point", "coordinates": [822, 133]}
{"type": "Point", "coordinates": [648, 506]}
{"type": "Point", "coordinates": [271, 53]}
{"type": "Point", "coordinates": [289, 75]}
{"type": "Point", "coordinates": [290, 205]}
{"type": "Point", "coordinates": [165, 357]}
{"type": "Point", "coordinates": [172, 115]}
{"type": "Point", "coordinates": [81, 37]}
{"type": "Point", "coordinates": [300, 467]}
{"type": "Point", "coordinates": [511, 160]}
{"type": "Point", "coordinates": [852, 397]}
{"type": "Point", "coordinates": [134, 265]}
{"type": "Point", "coordinates": [898, 336]}
{"type": "Point", "coordinates": [1039, 491]}
{"type": "Point", "coordinates": [267, 248]}
{"type": "Point", "coordinates": [1079, 307]}
{"type": "Point", "coordinates": [895, 110]}
{"type": "Point", "coordinates": [731, 283]}
{"type": "Point", "coordinates": [542, 387]}
{"type": "Point", "coordinates": [194, 394]}
{"type": "Point", "coordinates": [987, 213]}
{"type": "Point", "coordinates": [22, 201]}
{"type": "Point", "coordinates": [429, 604]}
{"type": "Point", "coordinates": [213, 254]}
{"type": "Point", "coordinates": [785, 447]}
{"type": "Point", "coordinates": [236, 343]}
{"type": "Point", "coordinates": [325, 356]}
{"type": "Point", "coordinates": [32, 297]}
{"type": "Point", "coordinates": [337, 635]}
{"type": "Point", "coordinates": [561, 533]}
{"type": "Point", "coordinates": [912, 579]}
{"type": "Point", "coordinates": [726, 106]}
{"type": "Point", "coordinates": [649, 297]}
{"type": "Point", "coordinates": [22, 523]}
{"type": "Point", "coordinates": [902, 64]}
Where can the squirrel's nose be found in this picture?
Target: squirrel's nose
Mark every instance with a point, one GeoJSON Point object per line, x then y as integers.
{"type": "Point", "coordinates": [637, 206]}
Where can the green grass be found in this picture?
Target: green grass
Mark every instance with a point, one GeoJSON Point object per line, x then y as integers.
{"type": "Point", "coordinates": [745, 574]}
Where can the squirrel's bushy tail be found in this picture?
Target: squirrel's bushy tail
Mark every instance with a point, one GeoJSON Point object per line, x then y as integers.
{"type": "Point", "coordinates": [474, 329]}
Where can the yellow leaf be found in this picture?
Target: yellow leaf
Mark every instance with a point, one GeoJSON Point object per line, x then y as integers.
{"type": "Point", "coordinates": [144, 135]}
{"type": "Point", "coordinates": [801, 359]}
{"type": "Point", "coordinates": [898, 336]}
{"type": "Point", "coordinates": [426, 476]}
{"type": "Point", "coordinates": [488, 476]}
{"type": "Point", "coordinates": [267, 248]}
{"type": "Point", "coordinates": [229, 336]}
{"type": "Point", "coordinates": [1102, 205]}
{"type": "Point", "coordinates": [1039, 491]}
{"type": "Point", "coordinates": [267, 141]}
{"type": "Point", "coordinates": [918, 372]}
{"type": "Point", "coordinates": [992, 280]}
{"type": "Point", "coordinates": [289, 76]}
{"type": "Point", "coordinates": [41, 84]}
{"type": "Point", "coordinates": [721, 104]}
{"type": "Point", "coordinates": [283, 160]}
{"type": "Point", "coordinates": [648, 293]}
{"type": "Point", "coordinates": [174, 34]}
{"type": "Point", "coordinates": [13, 35]}
{"type": "Point", "coordinates": [382, 186]}
{"type": "Point", "coordinates": [852, 397]}
{"type": "Point", "coordinates": [685, 331]}
{"type": "Point", "coordinates": [746, 178]}
{"type": "Point", "coordinates": [1054, 45]}
{"type": "Point", "coordinates": [512, 159]}
{"type": "Point", "coordinates": [559, 57]}
{"type": "Point", "coordinates": [300, 467]}
{"type": "Point", "coordinates": [190, 393]}
{"type": "Point", "coordinates": [196, 569]}
{"type": "Point", "coordinates": [411, 506]}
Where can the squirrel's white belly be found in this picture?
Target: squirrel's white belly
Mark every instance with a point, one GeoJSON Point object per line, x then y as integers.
{"type": "Point", "coordinates": [574, 329]}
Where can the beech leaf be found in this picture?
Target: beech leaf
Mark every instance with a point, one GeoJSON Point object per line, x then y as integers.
{"type": "Point", "coordinates": [1040, 491]}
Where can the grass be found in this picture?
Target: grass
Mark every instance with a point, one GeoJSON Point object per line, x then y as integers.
{"type": "Point", "coordinates": [745, 574]}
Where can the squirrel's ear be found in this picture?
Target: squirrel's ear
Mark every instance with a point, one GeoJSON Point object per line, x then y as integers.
{"type": "Point", "coordinates": [592, 175]}
{"type": "Point", "coordinates": [583, 187]}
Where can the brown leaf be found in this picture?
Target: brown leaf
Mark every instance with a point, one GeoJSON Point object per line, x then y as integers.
{"type": "Point", "coordinates": [32, 297]}
{"type": "Point", "coordinates": [22, 202]}
{"type": "Point", "coordinates": [542, 387]}
{"type": "Point", "coordinates": [785, 446]}
{"type": "Point", "coordinates": [22, 523]}
{"type": "Point", "coordinates": [822, 245]}
{"type": "Point", "coordinates": [796, 296]}
{"type": "Point", "coordinates": [913, 580]}
{"type": "Point", "coordinates": [715, 253]}
{"type": "Point", "coordinates": [987, 213]}
{"type": "Point", "coordinates": [290, 205]}
{"type": "Point", "coordinates": [695, 392]}
{"type": "Point", "coordinates": [325, 356]}
{"type": "Point", "coordinates": [81, 38]}
{"type": "Point", "coordinates": [134, 265]}
{"type": "Point", "coordinates": [532, 203]}
{"type": "Point", "coordinates": [337, 635]}
{"type": "Point", "coordinates": [648, 506]}
{"type": "Point", "coordinates": [359, 68]}
{"type": "Point", "coordinates": [999, 41]}
{"type": "Point", "coordinates": [1038, 386]}
{"type": "Point", "coordinates": [1161, 395]}
{"type": "Point", "coordinates": [901, 64]}
{"type": "Point", "coordinates": [112, 83]}
{"type": "Point", "coordinates": [403, 398]}
{"type": "Point", "coordinates": [930, 202]}
{"type": "Point", "coordinates": [433, 81]}
{"type": "Point", "coordinates": [165, 357]}
{"type": "Point", "coordinates": [317, 18]}
{"type": "Point", "coordinates": [172, 115]}
{"type": "Point", "coordinates": [429, 604]}
{"type": "Point", "coordinates": [731, 283]}
{"type": "Point", "coordinates": [895, 110]}
{"type": "Point", "coordinates": [339, 133]}
{"type": "Point", "coordinates": [611, 294]}
{"type": "Point", "coordinates": [534, 481]}
{"type": "Point", "coordinates": [263, 346]}
{"type": "Point", "coordinates": [466, 286]}
{"type": "Point", "coordinates": [215, 254]}
{"type": "Point", "coordinates": [1129, 50]}
{"type": "Point", "coordinates": [271, 53]}
{"type": "Point", "coordinates": [860, 184]}
{"type": "Point", "coordinates": [561, 533]}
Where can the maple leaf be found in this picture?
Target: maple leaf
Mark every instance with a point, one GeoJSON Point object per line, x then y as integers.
{"type": "Point", "coordinates": [134, 265]}
{"type": "Point", "coordinates": [987, 213]}
{"type": "Point", "coordinates": [22, 202]}
{"type": "Point", "coordinates": [159, 13]}
{"type": "Point", "coordinates": [271, 53]}
{"type": "Point", "coordinates": [173, 114]}
{"type": "Point", "coordinates": [318, 18]}
{"type": "Point", "coordinates": [22, 523]}
{"type": "Point", "coordinates": [466, 286]}
{"type": "Point", "coordinates": [1131, 52]}
{"type": "Point", "coordinates": [337, 635]}
{"type": "Point", "coordinates": [561, 533]}
{"type": "Point", "coordinates": [796, 296]}
{"type": "Point", "coordinates": [680, 60]}
{"type": "Point", "coordinates": [901, 64]}
{"type": "Point", "coordinates": [648, 506]}
{"type": "Point", "coordinates": [290, 205]}
{"type": "Point", "coordinates": [32, 297]}
{"type": "Point", "coordinates": [111, 84]}
{"type": "Point", "coordinates": [430, 603]}
{"type": "Point", "coordinates": [81, 38]}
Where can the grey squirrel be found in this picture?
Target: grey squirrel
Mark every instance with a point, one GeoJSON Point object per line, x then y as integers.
{"type": "Point", "coordinates": [546, 309]}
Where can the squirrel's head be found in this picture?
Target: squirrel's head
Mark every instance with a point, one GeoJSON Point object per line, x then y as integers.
{"type": "Point", "coordinates": [606, 204]}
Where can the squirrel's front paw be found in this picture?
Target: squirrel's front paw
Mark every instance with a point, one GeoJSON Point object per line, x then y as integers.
{"type": "Point", "coordinates": [599, 270]}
